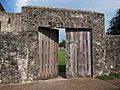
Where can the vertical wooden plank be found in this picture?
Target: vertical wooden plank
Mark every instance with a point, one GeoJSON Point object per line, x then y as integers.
{"type": "Point", "coordinates": [40, 53]}
{"type": "Point", "coordinates": [82, 55]}
{"type": "Point", "coordinates": [72, 45]}
{"type": "Point", "coordinates": [43, 55]}
{"type": "Point", "coordinates": [48, 54]}
{"type": "Point", "coordinates": [78, 54]}
{"type": "Point", "coordinates": [85, 52]}
{"type": "Point", "coordinates": [55, 52]}
{"type": "Point", "coordinates": [56, 64]}
{"type": "Point", "coordinates": [50, 62]}
{"type": "Point", "coordinates": [50, 57]}
{"type": "Point", "coordinates": [40, 57]}
{"type": "Point", "coordinates": [52, 54]}
{"type": "Point", "coordinates": [75, 53]}
{"type": "Point", "coordinates": [68, 46]}
{"type": "Point", "coordinates": [89, 54]}
{"type": "Point", "coordinates": [67, 52]}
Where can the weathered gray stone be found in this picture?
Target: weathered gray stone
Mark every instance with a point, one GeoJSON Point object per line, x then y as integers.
{"type": "Point", "coordinates": [19, 59]}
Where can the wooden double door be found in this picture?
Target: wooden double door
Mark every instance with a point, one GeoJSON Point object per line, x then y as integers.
{"type": "Point", "coordinates": [78, 53]}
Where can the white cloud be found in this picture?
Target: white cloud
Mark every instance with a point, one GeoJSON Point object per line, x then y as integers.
{"type": "Point", "coordinates": [20, 3]}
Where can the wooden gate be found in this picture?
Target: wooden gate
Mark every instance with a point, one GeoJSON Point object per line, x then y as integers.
{"type": "Point", "coordinates": [48, 53]}
{"type": "Point", "coordinates": [78, 45]}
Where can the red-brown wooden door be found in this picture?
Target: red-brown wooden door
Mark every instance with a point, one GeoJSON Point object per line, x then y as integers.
{"type": "Point", "coordinates": [48, 53]}
{"type": "Point", "coordinates": [78, 47]}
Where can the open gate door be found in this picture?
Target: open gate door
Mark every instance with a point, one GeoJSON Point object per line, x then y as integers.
{"type": "Point", "coordinates": [78, 47]}
{"type": "Point", "coordinates": [48, 53]}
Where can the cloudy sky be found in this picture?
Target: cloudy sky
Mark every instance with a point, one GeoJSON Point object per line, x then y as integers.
{"type": "Point", "coordinates": [108, 7]}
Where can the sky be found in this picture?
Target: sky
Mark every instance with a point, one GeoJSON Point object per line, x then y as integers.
{"type": "Point", "coordinates": [108, 7]}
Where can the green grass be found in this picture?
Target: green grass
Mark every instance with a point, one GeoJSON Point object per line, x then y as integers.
{"type": "Point", "coordinates": [62, 57]}
{"type": "Point", "coordinates": [118, 88]}
{"type": "Point", "coordinates": [62, 60]}
{"type": "Point", "coordinates": [109, 77]}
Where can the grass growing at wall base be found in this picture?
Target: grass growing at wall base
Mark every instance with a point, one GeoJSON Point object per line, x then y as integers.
{"type": "Point", "coordinates": [109, 77]}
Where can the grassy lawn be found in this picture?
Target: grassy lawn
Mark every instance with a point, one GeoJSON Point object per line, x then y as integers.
{"type": "Point", "coordinates": [109, 77]}
{"type": "Point", "coordinates": [112, 78]}
{"type": "Point", "coordinates": [62, 57]}
{"type": "Point", "coordinates": [62, 61]}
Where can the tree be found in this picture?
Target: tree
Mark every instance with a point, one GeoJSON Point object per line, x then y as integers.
{"type": "Point", "coordinates": [114, 27]}
{"type": "Point", "coordinates": [62, 43]}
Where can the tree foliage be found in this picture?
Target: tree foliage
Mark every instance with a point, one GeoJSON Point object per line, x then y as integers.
{"type": "Point", "coordinates": [62, 43]}
{"type": "Point", "coordinates": [114, 27]}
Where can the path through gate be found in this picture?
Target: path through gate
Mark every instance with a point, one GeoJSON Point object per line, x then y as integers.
{"type": "Point", "coordinates": [78, 43]}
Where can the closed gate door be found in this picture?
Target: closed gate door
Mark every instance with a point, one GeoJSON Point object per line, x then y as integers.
{"type": "Point", "coordinates": [78, 47]}
{"type": "Point", "coordinates": [48, 53]}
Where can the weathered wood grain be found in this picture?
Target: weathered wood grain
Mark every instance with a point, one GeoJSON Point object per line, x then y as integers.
{"type": "Point", "coordinates": [48, 53]}
{"type": "Point", "coordinates": [78, 46]}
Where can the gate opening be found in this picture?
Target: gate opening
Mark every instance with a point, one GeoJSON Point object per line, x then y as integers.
{"type": "Point", "coordinates": [66, 52]}
{"type": "Point", "coordinates": [62, 53]}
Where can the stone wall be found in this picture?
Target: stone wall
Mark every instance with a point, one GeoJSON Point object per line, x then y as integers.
{"type": "Point", "coordinates": [112, 53]}
{"type": "Point", "coordinates": [109, 55]}
{"type": "Point", "coordinates": [10, 21]}
{"type": "Point", "coordinates": [18, 51]}
{"type": "Point", "coordinates": [34, 17]}
{"type": "Point", "coordinates": [19, 59]}
{"type": "Point", "coordinates": [66, 18]}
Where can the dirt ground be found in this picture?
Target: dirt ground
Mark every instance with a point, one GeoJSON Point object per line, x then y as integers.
{"type": "Point", "coordinates": [115, 82]}
{"type": "Point", "coordinates": [63, 84]}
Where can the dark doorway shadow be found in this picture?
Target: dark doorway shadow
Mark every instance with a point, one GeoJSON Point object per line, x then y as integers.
{"type": "Point", "coordinates": [62, 71]}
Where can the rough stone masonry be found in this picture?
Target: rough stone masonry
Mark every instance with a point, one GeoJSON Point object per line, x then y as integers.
{"type": "Point", "coordinates": [19, 59]}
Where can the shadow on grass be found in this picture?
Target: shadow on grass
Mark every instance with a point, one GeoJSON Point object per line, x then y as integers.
{"type": "Point", "coordinates": [62, 71]}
